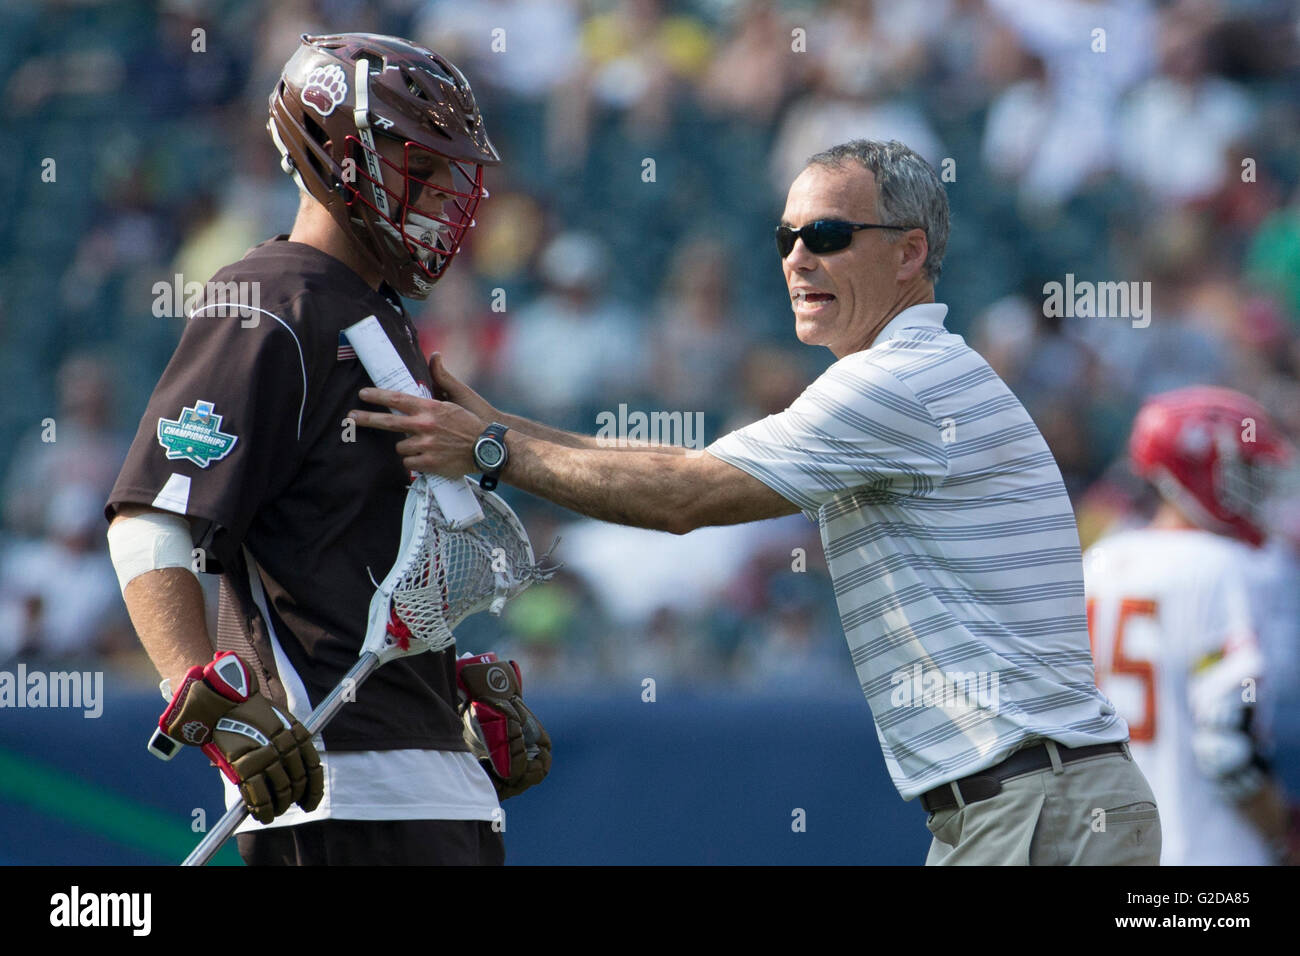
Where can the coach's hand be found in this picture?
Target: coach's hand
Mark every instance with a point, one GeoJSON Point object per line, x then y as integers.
{"type": "Point", "coordinates": [440, 436]}
{"type": "Point", "coordinates": [451, 389]}
{"type": "Point", "coordinates": [263, 751]}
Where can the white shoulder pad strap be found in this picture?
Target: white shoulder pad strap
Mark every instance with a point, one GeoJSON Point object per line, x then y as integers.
{"type": "Point", "coordinates": [149, 542]}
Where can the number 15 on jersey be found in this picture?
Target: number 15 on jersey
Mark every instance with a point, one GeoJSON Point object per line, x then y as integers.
{"type": "Point", "coordinates": [1124, 648]}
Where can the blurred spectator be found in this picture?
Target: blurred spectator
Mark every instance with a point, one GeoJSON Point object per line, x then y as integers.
{"type": "Point", "coordinates": [869, 59]}
{"type": "Point", "coordinates": [248, 207]}
{"type": "Point", "coordinates": [62, 74]}
{"type": "Point", "coordinates": [672, 647]}
{"type": "Point", "coordinates": [633, 573]}
{"type": "Point", "coordinates": [539, 37]}
{"type": "Point", "coordinates": [872, 47]}
{"type": "Point", "coordinates": [186, 72]}
{"type": "Point", "coordinates": [768, 381]}
{"type": "Point", "coordinates": [1183, 343]}
{"type": "Point", "coordinates": [1018, 119]}
{"type": "Point", "coordinates": [698, 341]}
{"type": "Point", "coordinates": [1091, 53]}
{"type": "Point", "coordinates": [785, 638]}
{"type": "Point", "coordinates": [974, 56]}
{"type": "Point", "coordinates": [1056, 375]}
{"type": "Point", "coordinates": [572, 349]}
{"type": "Point", "coordinates": [792, 648]}
{"type": "Point", "coordinates": [1005, 334]}
{"type": "Point", "coordinates": [129, 230]}
{"type": "Point", "coordinates": [634, 53]}
{"type": "Point", "coordinates": [752, 73]}
{"type": "Point", "coordinates": [836, 111]}
{"type": "Point", "coordinates": [458, 322]}
{"type": "Point", "coordinates": [635, 60]}
{"type": "Point", "coordinates": [1176, 128]}
{"type": "Point", "coordinates": [59, 596]}
{"type": "Point", "coordinates": [77, 449]}
{"type": "Point", "coordinates": [507, 238]}
{"type": "Point", "coordinates": [1273, 261]}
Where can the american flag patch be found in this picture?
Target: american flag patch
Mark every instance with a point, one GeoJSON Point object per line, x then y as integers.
{"type": "Point", "coordinates": [346, 351]}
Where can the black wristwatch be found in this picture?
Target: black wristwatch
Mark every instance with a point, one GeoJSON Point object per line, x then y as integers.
{"type": "Point", "coordinates": [490, 454]}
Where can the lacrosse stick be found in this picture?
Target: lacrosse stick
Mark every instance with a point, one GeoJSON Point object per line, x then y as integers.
{"type": "Point", "coordinates": [442, 575]}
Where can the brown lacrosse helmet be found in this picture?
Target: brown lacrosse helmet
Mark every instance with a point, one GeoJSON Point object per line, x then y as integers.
{"type": "Point", "coordinates": [336, 99]}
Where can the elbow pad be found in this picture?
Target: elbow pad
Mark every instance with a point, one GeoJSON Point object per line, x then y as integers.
{"type": "Point", "coordinates": [149, 542]}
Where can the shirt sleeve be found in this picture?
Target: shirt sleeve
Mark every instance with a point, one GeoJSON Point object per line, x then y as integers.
{"type": "Point", "coordinates": [856, 427]}
{"type": "Point", "coordinates": [222, 431]}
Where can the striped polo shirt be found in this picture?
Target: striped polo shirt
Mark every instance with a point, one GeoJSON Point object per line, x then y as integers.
{"type": "Point", "coordinates": [952, 548]}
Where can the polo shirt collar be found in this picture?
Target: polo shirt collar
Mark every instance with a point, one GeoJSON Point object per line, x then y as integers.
{"type": "Point", "coordinates": [927, 315]}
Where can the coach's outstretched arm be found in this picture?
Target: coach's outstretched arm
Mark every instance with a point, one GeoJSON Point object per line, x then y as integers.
{"type": "Point", "coordinates": [453, 390]}
{"type": "Point", "coordinates": [676, 493]}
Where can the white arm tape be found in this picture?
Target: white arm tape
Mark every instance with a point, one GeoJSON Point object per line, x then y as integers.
{"type": "Point", "coordinates": [149, 542]}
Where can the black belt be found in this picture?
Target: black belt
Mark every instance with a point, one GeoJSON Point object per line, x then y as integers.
{"type": "Point", "coordinates": [988, 783]}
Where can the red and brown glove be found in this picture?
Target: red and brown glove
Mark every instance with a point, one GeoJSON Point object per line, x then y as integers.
{"type": "Point", "coordinates": [267, 754]}
{"type": "Point", "coordinates": [502, 732]}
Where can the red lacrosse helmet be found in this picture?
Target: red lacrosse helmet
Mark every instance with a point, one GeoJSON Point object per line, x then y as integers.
{"type": "Point", "coordinates": [339, 96]}
{"type": "Point", "coordinates": [1212, 452]}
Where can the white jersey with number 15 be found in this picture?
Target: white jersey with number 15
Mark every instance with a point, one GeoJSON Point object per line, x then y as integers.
{"type": "Point", "coordinates": [1172, 616]}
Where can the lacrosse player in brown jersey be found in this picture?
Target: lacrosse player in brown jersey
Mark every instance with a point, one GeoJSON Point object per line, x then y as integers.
{"type": "Point", "coordinates": [244, 461]}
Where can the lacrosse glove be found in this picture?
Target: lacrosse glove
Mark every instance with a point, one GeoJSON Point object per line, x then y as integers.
{"type": "Point", "coordinates": [501, 731]}
{"type": "Point", "coordinates": [267, 754]}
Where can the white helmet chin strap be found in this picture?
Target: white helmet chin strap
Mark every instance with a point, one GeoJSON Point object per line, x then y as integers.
{"type": "Point", "coordinates": [361, 116]}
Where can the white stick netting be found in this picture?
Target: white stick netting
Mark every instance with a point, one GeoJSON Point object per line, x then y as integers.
{"type": "Point", "coordinates": [442, 575]}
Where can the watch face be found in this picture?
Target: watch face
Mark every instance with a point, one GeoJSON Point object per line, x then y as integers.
{"type": "Point", "coordinates": [488, 454]}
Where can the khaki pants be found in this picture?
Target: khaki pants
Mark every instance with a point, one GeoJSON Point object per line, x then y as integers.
{"type": "Point", "coordinates": [1094, 812]}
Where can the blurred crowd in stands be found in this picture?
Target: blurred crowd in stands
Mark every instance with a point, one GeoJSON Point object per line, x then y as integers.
{"type": "Point", "coordinates": [625, 257]}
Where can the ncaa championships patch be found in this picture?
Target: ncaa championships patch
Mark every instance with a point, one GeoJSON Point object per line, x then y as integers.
{"type": "Point", "coordinates": [195, 436]}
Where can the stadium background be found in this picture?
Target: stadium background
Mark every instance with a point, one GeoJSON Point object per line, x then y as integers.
{"type": "Point", "coordinates": [664, 295]}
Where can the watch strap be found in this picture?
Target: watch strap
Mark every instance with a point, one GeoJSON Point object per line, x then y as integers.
{"type": "Point", "coordinates": [492, 476]}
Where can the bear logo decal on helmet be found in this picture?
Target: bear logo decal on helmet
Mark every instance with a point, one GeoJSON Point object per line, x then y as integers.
{"type": "Point", "coordinates": [325, 89]}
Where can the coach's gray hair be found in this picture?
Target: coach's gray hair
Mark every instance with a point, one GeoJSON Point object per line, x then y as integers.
{"type": "Point", "coordinates": [908, 191]}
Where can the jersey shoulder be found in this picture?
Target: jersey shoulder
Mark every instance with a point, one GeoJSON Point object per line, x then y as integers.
{"type": "Point", "coordinates": [1183, 554]}
{"type": "Point", "coordinates": [295, 284]}
{"type": "Point", "coordinates": [281, 291]}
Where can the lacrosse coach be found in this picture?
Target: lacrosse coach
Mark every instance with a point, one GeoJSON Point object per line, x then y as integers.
{"type": "Point", "coordinates": [950, 540]}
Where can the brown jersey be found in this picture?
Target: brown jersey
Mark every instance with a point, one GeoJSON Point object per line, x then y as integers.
{"type": "Point", "coordinates": [245, 434]}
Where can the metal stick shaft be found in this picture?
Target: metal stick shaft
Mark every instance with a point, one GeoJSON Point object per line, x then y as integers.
{"type": "Point", "coordinates": [322, 715]}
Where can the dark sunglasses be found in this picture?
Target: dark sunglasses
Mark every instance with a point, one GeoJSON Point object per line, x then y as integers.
{"type": "Point", "coordinates": [823, 235]}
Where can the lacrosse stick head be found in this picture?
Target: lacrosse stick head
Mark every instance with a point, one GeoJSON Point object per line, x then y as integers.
{"type": "Point", "coordinates": [442, 575]}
